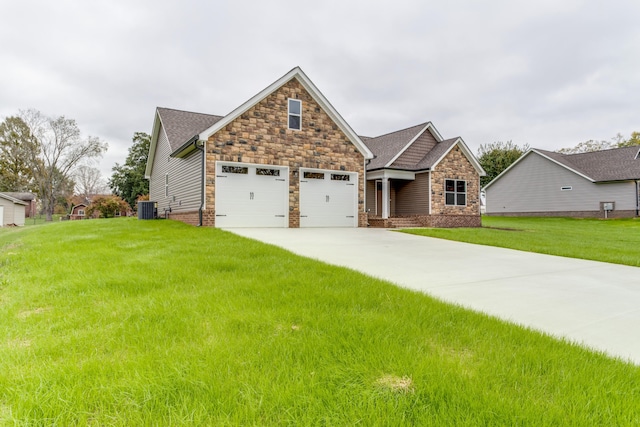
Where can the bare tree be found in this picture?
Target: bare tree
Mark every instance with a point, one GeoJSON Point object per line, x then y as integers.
{"type": "Point", "coordinates": [60, 149]}
{"type": "Point", "coordinates": [89, 181]}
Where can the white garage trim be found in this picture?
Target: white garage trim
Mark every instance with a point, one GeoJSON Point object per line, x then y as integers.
{"type": "Point", "coordinates": [251, 195]}
{"type": "Point", "coordinates": [328, 198]}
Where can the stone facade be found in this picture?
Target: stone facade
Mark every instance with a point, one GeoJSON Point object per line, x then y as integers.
{"type": "Point", "coordinates": [261, 136]}
{"type": "Point", "coordinates": [455, 166]}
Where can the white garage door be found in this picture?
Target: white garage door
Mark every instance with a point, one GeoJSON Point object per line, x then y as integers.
{"type": "Point", "coordinates": [1, 216]}
{"type": "Point", "coordinates": [328, 198]}
{"type": "Point", "coordinates": [249, 195]}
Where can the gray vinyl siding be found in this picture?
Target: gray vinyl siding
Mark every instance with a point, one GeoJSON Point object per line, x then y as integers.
{"type": "Point", "coordinates": [412, 197]}
{"type": "Point", "coordinates": [184, 179]}
{"type": "Point", "coordinates": [534, 185]}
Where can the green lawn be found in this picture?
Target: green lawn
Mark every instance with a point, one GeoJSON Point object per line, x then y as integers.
{"type": "Point", "coordinates": [132, 323]}
{"type": "Point", "coordinates": [616, 241]}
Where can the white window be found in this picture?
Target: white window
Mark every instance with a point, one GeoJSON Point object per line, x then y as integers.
{"type": "Point", "coordinates": [295, 114]}
{"type": "Point", "coordinates": [455, 192]}
{"type": "Point", "coordinates": [80, 212]}
{"type": "Point", "coordinates": [166, 185]}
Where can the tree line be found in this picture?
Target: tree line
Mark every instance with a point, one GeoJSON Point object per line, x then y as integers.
{"type": "Point", "coordinates": [50, 156]}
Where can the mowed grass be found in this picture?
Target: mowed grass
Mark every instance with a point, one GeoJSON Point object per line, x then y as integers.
{"type": "Point", "coordinates": [125, 322]}
{"type": "Point", "coordinates": [615, 240]}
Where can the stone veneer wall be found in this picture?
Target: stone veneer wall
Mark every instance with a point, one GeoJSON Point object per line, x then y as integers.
{"type": "Point", "coordinates": [455, 166]}
{"type": "Point", "coordinates": [261, 136]}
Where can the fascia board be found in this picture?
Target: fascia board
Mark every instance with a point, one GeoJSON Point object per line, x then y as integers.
{"type": "Point", "coordinates": [13, 200]}
{"type": "Point", "coordinates": [313, 91]}
{"type": "Point", "coordinates": [157, 122]}
{"type": "Point", "coordinates": [563, 165]}
{"type": "Point", "coordinates": [533, 150]}
{"type": "Point", "coordinates": [467, 153]}
{"type": "Point", "coordinates": [392, 174]}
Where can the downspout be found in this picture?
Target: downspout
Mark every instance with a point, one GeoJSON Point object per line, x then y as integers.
{"type": "Point", "coordinates": [202, 178]}
{"type": "Point", "coordinates": [637, 197]}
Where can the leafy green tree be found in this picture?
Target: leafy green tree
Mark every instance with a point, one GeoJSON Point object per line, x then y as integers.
{"type": "Point", "coordinates": [497, 156]}
{"type": "Point", "coordinates": [128, 180]}
{"type": "Point", "coordinates": [16, 144]}
{"type": "Point", "coordinates": [107, 206]}
{"type": "Point", "coordinates": [587, 147]}
{"type": "Point", "coordinates": [60, 149]}
{"type": "Point", "coordinates": [634, 140]}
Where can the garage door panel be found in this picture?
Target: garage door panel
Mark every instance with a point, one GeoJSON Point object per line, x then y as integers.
{"type": "Point", "coordinates": [327, 202]}
{"type": "Point", "coordinates": [257, 196]}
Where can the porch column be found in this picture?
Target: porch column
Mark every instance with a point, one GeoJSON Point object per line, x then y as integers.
{"type": "Point", "coordinates": [385, 198]}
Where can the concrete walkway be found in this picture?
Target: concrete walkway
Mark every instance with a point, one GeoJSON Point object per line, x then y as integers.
{"type": "Point", "coordinates": [592, 303]}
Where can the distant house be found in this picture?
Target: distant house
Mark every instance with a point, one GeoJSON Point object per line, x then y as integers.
{"type": "Point", "coordinates": [79, 211]}
{"type": "Point", "coordinates": [27, 197]}
{"type": "Point", "coordinates": [287, 158]}
{"type": "Point", "coordinates": [12, 210]}
{"type": "Point", "coordinates": [544, 183]}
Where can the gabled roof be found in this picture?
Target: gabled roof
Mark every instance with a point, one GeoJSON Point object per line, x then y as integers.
{"type": "Point", "coordinates": [13, 199]}
{"type": "Point", "coordinates": [25, 196]}
{"type": "Point", "coordinates": [389, 147]}
{"type": "Point", "coordinates": [616, 164]}
{"type": "Point", "coordinates": [315, 93]}
{"type": "Point", "coordinates": [180, 127]}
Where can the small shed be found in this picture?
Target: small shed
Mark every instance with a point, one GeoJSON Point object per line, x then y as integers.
{"type": "Point", "coordinates": [12, 210]}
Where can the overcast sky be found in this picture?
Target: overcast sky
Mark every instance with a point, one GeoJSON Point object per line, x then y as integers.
{"type": "Point", "coordinates": [548, 73]}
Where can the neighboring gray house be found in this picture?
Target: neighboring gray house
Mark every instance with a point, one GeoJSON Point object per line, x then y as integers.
{"type": "Point", "coordinates": [598, 184]}
{"type": "Point", "coordinates": [12, 210]}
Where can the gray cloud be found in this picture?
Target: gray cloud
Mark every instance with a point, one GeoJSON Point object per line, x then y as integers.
{"type": "Point", "coordinates": [547, 73]}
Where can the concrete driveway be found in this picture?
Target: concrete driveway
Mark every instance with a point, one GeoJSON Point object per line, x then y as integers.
{"type": "Point", "coordinates": [592, 303]}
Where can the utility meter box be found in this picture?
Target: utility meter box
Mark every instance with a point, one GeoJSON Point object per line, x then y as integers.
{"type": "Point", "coordinates": [608, 206]}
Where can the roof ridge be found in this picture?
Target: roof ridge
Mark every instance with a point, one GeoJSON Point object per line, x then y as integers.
{"type": "Point", "coordinates": [400, 130]}
{"type": "Point", "coordinates": [190, 112]}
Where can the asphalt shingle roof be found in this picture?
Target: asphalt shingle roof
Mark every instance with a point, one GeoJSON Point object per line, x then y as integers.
{"type": "Point", "coordinates": [617, 164]}
{"type": "Point", "coordinates": [181, 126]}
{"type": "Point", "coordinates": [386, 147]}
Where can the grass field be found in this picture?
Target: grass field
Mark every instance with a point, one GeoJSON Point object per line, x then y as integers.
{"type": "Point", "coordinates": [616, 241]}
{"type": "Point", "coordinates": [124, 322]}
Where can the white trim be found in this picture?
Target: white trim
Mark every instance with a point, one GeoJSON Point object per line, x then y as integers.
{"type": "Point", "coordinates": [289, 113]}
{"type": "Point", "coordinates": [455, 192]}
{"type": "Point", "coordinates": [298, 74]}
{"type": "Point", "coordinates": [467, 153]}
{"type": "Point", "coordinates": [391, 173]}
{"type": "Point", "coordinates": [533, 150]}
{"type": "Point", "coordinates": [433, 132]}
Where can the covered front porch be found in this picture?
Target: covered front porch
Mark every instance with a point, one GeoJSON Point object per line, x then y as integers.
{"type": "Point", "coordinates": [397, 198]}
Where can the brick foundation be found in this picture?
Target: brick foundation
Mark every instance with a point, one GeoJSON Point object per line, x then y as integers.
{"type": "Point", "coordinates": [571, 214]}
{"type": "Point", "coordinates": [435, 221]}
